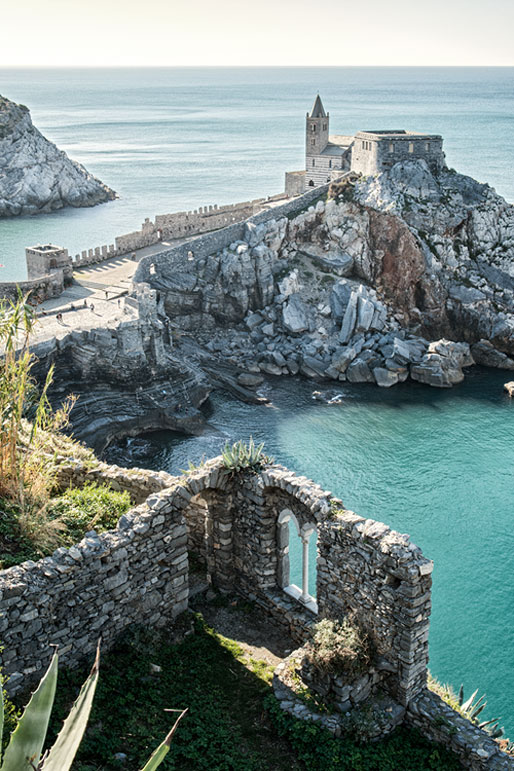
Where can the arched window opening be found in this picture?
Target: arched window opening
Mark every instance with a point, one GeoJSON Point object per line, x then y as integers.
{"type": "Point", "coordinates": [311, 183]}
{"type": "Point", "coordinates": [297, 551]}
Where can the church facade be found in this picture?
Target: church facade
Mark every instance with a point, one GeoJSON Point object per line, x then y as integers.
{"type": "Point", "coordinates": [367, 152]}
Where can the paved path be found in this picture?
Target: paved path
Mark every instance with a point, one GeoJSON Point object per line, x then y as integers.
{"type": "Point", "coordinates": [96, 295]}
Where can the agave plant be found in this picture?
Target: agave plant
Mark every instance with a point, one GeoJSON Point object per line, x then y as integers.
{"type": "Point", "coordinates": [24, 750]}
{"type": "Point", "coordinates": [472, 709]}
{"type": "Point", "coordinates": [241, 456]}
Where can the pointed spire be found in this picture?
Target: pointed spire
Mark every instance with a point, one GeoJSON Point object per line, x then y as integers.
{"type": "Point", "coordinates": [318, 111]}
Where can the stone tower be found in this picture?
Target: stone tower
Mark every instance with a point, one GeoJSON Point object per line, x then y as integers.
{"type": "Point", "coordinates": [316, 130]}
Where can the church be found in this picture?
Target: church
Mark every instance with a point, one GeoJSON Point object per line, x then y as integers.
{"type": "Point", "coordinates": [367, 152]}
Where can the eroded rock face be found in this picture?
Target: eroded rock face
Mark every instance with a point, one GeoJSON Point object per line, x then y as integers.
{"type": "Point", "coordinates": [35, 176]}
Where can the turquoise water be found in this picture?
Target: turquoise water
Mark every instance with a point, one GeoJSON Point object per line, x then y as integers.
{"type": "Point", "coordinates": [438, 465]}
{"type": "Point", "coordinates": [174, 139]}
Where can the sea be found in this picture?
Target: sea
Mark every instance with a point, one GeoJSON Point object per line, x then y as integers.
{"type": "Point", "coordinates": [436, 464]}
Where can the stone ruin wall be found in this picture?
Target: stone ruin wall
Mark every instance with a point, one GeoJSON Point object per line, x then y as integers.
{"type": "Point", "coordinates": [139, 573]}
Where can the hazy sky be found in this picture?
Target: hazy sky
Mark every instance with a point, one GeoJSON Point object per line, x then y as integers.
{"type": "Point", "coordinates": [265, 32]}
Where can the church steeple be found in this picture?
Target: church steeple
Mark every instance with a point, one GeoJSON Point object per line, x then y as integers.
{"type": "Point", "coordinates": [318, 111]}
{"type": "Point", "coordinates": [316, 129]}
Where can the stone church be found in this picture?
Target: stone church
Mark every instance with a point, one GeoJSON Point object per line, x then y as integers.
{"type": "Point", "coordinates": [368, 152]}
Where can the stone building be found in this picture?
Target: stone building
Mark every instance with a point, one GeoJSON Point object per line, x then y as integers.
{"type": "Point", "coordinates": [42, 260]}
{"type": "Point", "coordinates": [368, 152]}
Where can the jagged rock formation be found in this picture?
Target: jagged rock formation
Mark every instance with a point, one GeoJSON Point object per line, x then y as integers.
{"type": "Point", "coordinates": [35, 176]}
{"type": "Point", "coordinates": [361, 287]}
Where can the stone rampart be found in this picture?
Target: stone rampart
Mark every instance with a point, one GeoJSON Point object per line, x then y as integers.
{"type": "Point", "coordinates": [38, 289]}
{"type": "Point", "coordinates": [172, 226]}
{"type": "Point", "coordinates": [203, 246]}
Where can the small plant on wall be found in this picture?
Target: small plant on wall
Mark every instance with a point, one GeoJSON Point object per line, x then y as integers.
{"type": "Point", "coordinates": [241, 456]}
{"type": "Point", "coordinates": [339, 648]}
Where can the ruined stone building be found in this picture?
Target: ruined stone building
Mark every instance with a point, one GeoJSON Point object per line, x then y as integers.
{"type": "Point", "coordinates": [368, 152]}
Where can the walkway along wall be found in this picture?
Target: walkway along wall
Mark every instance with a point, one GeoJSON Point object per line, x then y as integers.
{"type": "Point", "coordinates": [239, 524]}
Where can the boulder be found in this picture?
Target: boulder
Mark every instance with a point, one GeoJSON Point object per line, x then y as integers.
{"type": "Point", "coordinates": [349, 319]}
{"type": "Point", "coordinates": [294, 315]}
{"type": "Point", "coordinates": [250, 380]}
{"type": "Point", "coordinates": [485, 353]}
{"type": "Point", "coordinates": [343, 357]}
{"type": "Point", "coordinates": [359, 371]}
{"type": "Point", "coordinates": [442, 364]}
{"type": "Point", "coordinates": [339, 297]}
{"type": "Point", "coordinates": [384, 377]}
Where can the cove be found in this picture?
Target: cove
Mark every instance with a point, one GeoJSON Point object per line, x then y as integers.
{"type": "Point", "coordinates": [437, 464]}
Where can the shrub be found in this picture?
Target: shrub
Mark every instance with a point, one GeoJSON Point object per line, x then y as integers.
{"type": "Point", "coordinates": [339, 648]}
{"type": "Point", "coordinates": [92, 506]}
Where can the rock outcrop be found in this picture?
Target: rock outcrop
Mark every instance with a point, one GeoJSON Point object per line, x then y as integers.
{"type": "Point", "coordinates": [35, 176]}
{"type": "Point", "coordinates": [394, 278]}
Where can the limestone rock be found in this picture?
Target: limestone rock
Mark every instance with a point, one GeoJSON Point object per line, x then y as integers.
{"type": "Point", "coordinates": [294, 315]}
{"type": "Point", "coordinates": [35, 176]}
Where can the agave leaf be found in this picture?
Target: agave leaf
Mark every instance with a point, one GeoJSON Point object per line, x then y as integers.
{"type": "Point", "coordinates": [62, 754]}
{"type": "Point", "coordinates": [469, 702]}
{"type": "Point", "coordinates": [461, 695]}
{"type": "Point", "coordinates": [488, 722]}
{"type": "Point", "coordinates": [24, 750]}
{"type": "Point", "coordinates": [496, 734]}
{"type": "Point", "coordinates": [162, 750]}
{"type": "Point", "coordinates": [478, 710]}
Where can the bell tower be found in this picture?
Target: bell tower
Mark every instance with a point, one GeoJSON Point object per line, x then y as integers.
{"type": "Point", "coordinates": [316, 129]}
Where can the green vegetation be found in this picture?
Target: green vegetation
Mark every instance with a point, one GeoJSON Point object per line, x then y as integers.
{"type": "Point", "coordinates": [470, 709]}
{"type": "Point", "coordinates": [24, 752]}
{"type": "Point", "coordinates": [66, 518]}
{"type": "Point", "coordinates": [233, 722]}
{"type": "Point", "coordinates": [240, 456]}
{"type": "Point", "coordinates": [339, 647]}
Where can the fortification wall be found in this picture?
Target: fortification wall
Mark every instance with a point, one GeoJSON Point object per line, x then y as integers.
{"type": "Point", "coordinates": [175, 225]}
{"type": "Point", "coordinates": [38, 290]}
{"type": "Point", "coordinates": [203, 246]}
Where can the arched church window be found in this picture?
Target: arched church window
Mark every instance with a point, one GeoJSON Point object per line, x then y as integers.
{"type": "Point", "coordinates": [314, 161]}
{"type": "Point", "coordinates": [330, 164]}
{"type": "Point", "coordinates": [313, 128]}
{"type": "Point", "coordinates": [324, 127]}
{"type": "Point", "coordinates": [297, 559]}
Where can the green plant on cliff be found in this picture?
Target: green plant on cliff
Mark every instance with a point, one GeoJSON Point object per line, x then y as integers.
{"type": "Point", "coordinates": [240, 456]}
{"type": "Point", "coordinates": [27, 422]}
{"type": "Point", "coordinates": [25, 749]}
{"type": "Point", "coordinates": [339, 647]}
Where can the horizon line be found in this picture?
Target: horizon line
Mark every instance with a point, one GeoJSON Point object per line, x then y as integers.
{"type": "Point", "coordinates": [252, 66]}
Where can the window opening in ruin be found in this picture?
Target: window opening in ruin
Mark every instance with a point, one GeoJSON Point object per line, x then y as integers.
{"type": "Point", "coordinates": [411, 147]}
{"type": "Point", "coordinates": [297, 550]}
{"type": "Point", "coordinates": [311, 183]}
{"type": "Point", "coordinates": [313, 161]}
{"type": "Point", "coordinates": [330, 164]}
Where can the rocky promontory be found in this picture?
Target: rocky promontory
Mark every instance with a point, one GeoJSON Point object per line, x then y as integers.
{"type": "Point", "coordinates": [35, 176]}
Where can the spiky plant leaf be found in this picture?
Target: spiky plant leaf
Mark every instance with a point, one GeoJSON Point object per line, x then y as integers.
{"type": "Point", "coordinates": [469, 702]}
{"type": "Point", "coordinates": [63, 752]}
{"type": "Point", "coordinates": [461, 695]}
{"type": "Point", "coordinates": [24, 750]}
{"type": "Point", "coordinates": [162, 750]}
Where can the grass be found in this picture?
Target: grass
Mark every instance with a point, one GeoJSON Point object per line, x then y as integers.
{"type": "Point", "coordinates": [66, 518]}
{"type": "Point", "coordinates": [233, 723]}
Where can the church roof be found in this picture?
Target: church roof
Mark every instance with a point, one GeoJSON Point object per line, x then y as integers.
{"type": "Point", "coordinates": [318, 111]}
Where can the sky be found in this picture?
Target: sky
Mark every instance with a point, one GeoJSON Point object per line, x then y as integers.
{"type": "Point", "coordinates": [265, 32]}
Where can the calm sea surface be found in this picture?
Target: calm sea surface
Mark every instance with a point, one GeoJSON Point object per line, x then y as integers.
{"type": "Point", "coordinates": [436, 464]}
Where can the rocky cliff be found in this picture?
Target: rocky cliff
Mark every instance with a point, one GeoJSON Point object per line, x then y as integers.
{"type": "Point", "coordinates": [394, 276]}
{"type": "Point", "coordinates": [35, 176]}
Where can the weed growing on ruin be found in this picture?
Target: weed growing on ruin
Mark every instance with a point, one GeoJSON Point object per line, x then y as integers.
{"type": "Point", "coordinates": [338, 647]}
{"type": "Point", "coordinates": [241, 456]}
{"type": "Point", "coordinates": [67, 517]}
